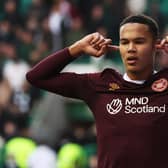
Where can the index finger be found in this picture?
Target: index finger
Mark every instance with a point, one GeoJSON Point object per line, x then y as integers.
{"type": "Point", "coordinates": [113, 47]}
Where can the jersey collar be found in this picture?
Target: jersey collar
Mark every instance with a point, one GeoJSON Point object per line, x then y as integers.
{"type": "Point", "coordinates": [128, 79]}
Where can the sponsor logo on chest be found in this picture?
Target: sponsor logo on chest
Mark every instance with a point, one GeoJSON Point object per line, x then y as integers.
{"type": "Point", "coordinates": [134, 105]}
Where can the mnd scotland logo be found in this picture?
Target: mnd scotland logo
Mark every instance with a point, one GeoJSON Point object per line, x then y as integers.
{"type": "Point", "coordinates": [134, 105]}
{"type": "Point", "coordinates": [114, 107]}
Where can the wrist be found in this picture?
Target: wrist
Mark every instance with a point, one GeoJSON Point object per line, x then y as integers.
{"type": "Point", "coordinates": [75, 49]}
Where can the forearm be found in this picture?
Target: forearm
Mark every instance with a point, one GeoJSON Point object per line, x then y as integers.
{"type": "Point", "coordinates": [50, 66]}
{"type": "Point", "coordinates": [46, 75]}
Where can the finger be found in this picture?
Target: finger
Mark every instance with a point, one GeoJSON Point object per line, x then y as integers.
{"type": "Point", "coordinates": [105, 42]}
{"type": "Point", "coordinates": [163, 46]}
{"type": "Point", "coordinates": [99, 42]}
{"type": "Point", "coordinates": [93, 51]}
{"type": "Point", "coordinates": [102, 51]}
{"type": "Point", "coordinates": [166, 39]}
{"type": "Point", "coordinates": [163, 42]}
{"type": "Point", "coordinates": [96, 37]}
{"type": "Point", "coordinates": [113, 48]}
{"type": "Point", "coordinates": [159, 46]}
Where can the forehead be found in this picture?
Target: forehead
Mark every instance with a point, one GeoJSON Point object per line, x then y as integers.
{"type": "Point", "coordinates": [134, 30]}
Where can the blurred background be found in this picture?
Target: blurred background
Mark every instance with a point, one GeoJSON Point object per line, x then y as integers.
{"type": "Point", "coordinates": [40, 129]}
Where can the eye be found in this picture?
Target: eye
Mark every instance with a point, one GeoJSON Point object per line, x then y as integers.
{"type": "Point", "coordinates": [140, 42]}
{"type": "Point", "coordinates": [124, 42]}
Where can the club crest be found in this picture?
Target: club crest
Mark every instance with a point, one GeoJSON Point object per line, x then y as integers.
{"type": "Point", "coordinates": [160, 85]}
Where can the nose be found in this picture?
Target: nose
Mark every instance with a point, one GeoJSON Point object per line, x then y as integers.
{"type": "Point", "coordinates": [131, 47]}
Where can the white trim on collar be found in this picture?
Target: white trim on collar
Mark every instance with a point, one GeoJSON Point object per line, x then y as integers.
{"type": "Point", "coordinates": [128, 79]}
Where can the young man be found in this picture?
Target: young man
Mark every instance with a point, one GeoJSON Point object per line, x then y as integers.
{"type": "Point", "coordinates": [131, 111]}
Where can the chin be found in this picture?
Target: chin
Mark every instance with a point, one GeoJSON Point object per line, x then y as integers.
{"type": "Point", "coordinates": [133, 69]}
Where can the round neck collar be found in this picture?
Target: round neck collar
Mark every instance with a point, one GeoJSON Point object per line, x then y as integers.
{"type": "Point", "coordinates": [128, 79]}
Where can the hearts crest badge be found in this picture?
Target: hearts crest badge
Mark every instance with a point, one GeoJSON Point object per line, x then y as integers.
{"type": "Point", "coordinates": [160, 85]}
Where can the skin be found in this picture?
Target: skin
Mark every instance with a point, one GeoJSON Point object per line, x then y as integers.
{"type": "Point", "coordinates": [93, 44]}
{"type": "Point", "coordinates": [137, 48]}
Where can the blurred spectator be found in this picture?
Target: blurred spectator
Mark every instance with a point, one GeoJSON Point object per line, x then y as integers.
{"type": "Point", "coordinates": [16, 88]}
{"type": "Point", "coordinates": [14, 69]}
{"type": "Point", "coordinates": [164, 9]}
{"type": "Point", "coordinates": [18, 144]}
{"type": "Point", "coordinates": [93, 161]}
{"type": "Point", "coordinates": [76, 31]}
{"type": "Point", "coordinates": [6, 32]}
{"type": "Point", "coordinates": [1, 9]}
{"type": "Point", "coordinates": [41, 51]}
{"type": "Point", "coordinates": [154, 10]}
{"type": "Point", "coordinates": [14, 124]}
{"type": "Point", "coordinates": [26, 44]}
{"type": "Point", "coordinates": [42, 157]}
{"type": "Point", "coordinates": [37, 9]}
{"type": "Point", "coordinates": [84, 9]}
{"type": "Point", "coordinates": [56, 25]}
{"type": "Point", "coordinates": [2, 151]}
{"type": "Point", "coordinates": [24, 6]}
{"type": "Point", "coordinates": [5, 93]}
{"type": "Point", "coordinates": [17, 151]}
{"type": "Point", "coordinates": [9, 127]}
{"type": "Point", "coordinates": [45, 33]}
{"type": "Point", "coordinates": [133, 8]}
{"type": "Point", "coordinates": [97, 18]}
{"type": "Point", "coordinates": [32, 25]}
{"type": "Point", "coordinates": [11, 13]}
{"type": "Point", "coordinates": [22, 98]}
{"type": "Point", "coordinates": [72, 155]}
{"type": "Point", "coordinates": [161, 57]}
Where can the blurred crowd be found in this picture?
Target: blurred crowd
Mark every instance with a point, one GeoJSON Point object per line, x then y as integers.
{"type": "Point", "coordinates": [31, 30]}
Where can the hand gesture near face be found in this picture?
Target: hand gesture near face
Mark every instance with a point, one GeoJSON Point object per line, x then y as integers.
{"type": "Point", "coordinates": [163, 44]}
{"type": "Point", "coordinates": [93, 44]}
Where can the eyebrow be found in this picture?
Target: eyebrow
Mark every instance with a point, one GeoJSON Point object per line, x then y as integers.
{"type": "Point", "coordinates": [138, 38]}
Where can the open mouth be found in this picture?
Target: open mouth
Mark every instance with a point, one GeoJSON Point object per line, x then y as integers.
{"type": "Point", "coordinates": [132, 60]}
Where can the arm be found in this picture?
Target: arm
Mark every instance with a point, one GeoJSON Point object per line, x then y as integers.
{"type": "Point", "coordinates": [46, 74]}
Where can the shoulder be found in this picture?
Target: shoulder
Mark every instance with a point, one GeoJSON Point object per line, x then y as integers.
{"type": "Point", "coordinates": [106, 74]}
{"type": "Point", "coordinates": [163, 73]}
{"type": "Point", "coordinates": [102, 80]}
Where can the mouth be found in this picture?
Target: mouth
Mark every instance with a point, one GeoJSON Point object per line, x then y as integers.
{"type": "Point", "coordinates": [131, 60]}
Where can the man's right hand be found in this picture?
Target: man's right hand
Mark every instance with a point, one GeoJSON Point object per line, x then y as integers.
{"type": "Point", "coordinates": [93, 44]}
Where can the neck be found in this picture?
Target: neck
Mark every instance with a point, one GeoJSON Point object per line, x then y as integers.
{"type": "Point", "coordinates": [139, 75]}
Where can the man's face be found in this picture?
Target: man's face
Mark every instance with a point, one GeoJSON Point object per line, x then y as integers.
{"type": "Point", "coordinates": [137, 47]}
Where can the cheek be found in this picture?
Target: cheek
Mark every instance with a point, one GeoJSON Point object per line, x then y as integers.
{"type": "Point", "coordinates": [146, 53]}
{"type": "Point", "coordinates": [122, 53]}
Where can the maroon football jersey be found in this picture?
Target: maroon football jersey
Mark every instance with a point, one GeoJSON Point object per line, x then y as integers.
{"type": "Point", "coordinates": [131, 119]}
